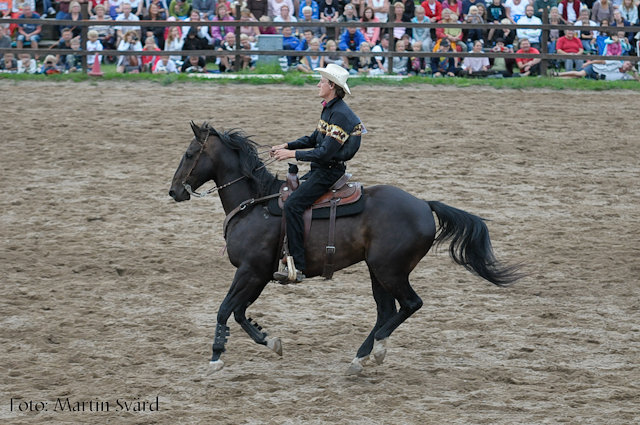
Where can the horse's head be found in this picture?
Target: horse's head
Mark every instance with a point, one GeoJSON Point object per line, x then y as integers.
{"type": "Point", "coordinates": [195, 167]}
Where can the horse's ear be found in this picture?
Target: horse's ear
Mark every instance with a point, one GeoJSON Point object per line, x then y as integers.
{"type": "Point", "coordinates": [196, 130]}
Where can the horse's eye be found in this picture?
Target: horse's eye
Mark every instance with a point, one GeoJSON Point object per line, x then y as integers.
{"type": "Point", "coordinates": [188, 156]}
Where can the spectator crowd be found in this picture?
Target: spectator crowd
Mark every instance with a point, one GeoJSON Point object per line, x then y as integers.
{"type": "Point", "coordinates": [120, 30]}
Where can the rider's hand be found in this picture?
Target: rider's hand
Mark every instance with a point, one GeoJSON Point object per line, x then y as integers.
{"type": "Point", "coordinates": [282, 154]}
{"type": "Point", "coordinates": [277, 148]}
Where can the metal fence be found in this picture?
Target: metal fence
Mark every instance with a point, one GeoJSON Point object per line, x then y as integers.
{"type": "Point", "coordinates": [544, 55]}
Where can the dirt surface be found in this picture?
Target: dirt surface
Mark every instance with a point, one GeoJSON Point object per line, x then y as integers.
{"type": "Point", "coordinates": [110, 289]}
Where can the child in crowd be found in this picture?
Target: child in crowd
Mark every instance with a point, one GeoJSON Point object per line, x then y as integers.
{"type": "Point", "coordinates": [149, 62]}
{"type": "Point", "coordinates": [9, 63]}
{"type": "Point", "coordinates": [496, 12]}
{"type": "Point", "coordinates": [614, 48]}
{"type": "Point", "coordinates": [335, 58]}
{"type": "Point", "coordinates": [443, 66]}
{"type": "Point", "coordinates": [49, 66]}
{"type": "Point", "coordinates": [93, 45]}
{"type": "Point", "coordinates": [194, 63]}
{"type": "Point", "coordinates": [27, 65]}
{"type": "Point", "coordinates": [73, 62]}
{"type": "Point", "coordinates": [362, 65]}
{"type": "Point", "coordinates": [474, 35]}
{"type": "Point", "coordinates": [418, 66]}
{"type": "Point", "coordinates": [165, 66]}
{"type": "Point", "coordinates": [400, 63]}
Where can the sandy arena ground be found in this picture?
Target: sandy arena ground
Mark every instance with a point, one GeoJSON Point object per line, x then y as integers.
{"type": "Point", "coordinates": [110, 289]}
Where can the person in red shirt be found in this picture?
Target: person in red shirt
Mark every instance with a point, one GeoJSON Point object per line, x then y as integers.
{"type": "Point", "coordinates": [528, 66]}
{"type": "Point", "coordinates": [569, 44]}
{"type": "Point", "coordinates": [433, 9]}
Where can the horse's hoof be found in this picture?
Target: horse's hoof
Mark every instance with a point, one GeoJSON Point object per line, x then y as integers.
{"type": "Point", "coordinates": [380, 351]}
{"type": "Point", "coordinates": [356, 366]}
{"type": "Point", "coordinates": [275, 344]}
{"type": "Point", "coordinates": [215, 367]}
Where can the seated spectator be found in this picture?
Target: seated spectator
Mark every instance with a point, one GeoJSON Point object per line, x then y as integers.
{"type": "Point", "coordinates": [618, 21]}
{"type": "Point", "coordinates": [453, 35]}
{"type": "Point", "coordinates": [432, 9]}
{"type": "Point", "coordinates": [569, 10]}
{"type": "Point", "coordinates": [201, 32]}
{"type": "Point", "coordinates": [417, 66]}
{"type": "Point", "coordinates": [193, 41]}
{"type": "Point", "coordinates": [248, 60]}
{"type": "Point", "coordinates": [258, 8]}
{"type": "Point", "coordinates": [612, 70]}
{"type": "Point", "coordinates": [602, 10]}
{"type": "Point", "coordinates": [179, 9]}
{"type": "Point", "coordinates": [276, 5]}
{"type": "Point", "coordinates": [335, 58]}
{"type": "Point", "coordinates": [73, 62]}
{"type": "Point", "coordinates": [474, 34]}
{"type": "Point", "coordinates": [267, 30]}
{"type": "Point", "coordinates": [28, 33]}
{"type": "Point", "coordinates": [315, 9]}
{"type": "Point", "coordinates": [149, 62]}
{"type": "Point", "coordinates": [348, 16]}
{"type": "Point", "coordinates": [400, 63]}
{"type": "Point", "coordinates": [205, 7]}
{"type": "Point", "coordinates": [613, 46]}
{"type": "Point", "coordinates": [93, 45]}
{"type": "Point", "coordinates": [194, 64]}
{"type": "Point", "coordinates": [27, 65]}
{"type": "Point", "coordinates": [363, 65]}
{"type": "Point", "coordinates": [153, 13]}
{"type": "Point", "coordinates": [285, 17]}
{"type": "Point", "coordinates": [398, 9]}
{"type": "Point", "coordinates": [329, 13]}
{"type": "Point", "coordinates": [381, 61]}
{"type": "Point", "coordinates": [64, 44]}
{"type": "Point", "coordinates": [289, 42]}
{"type": "Point", "coordinates": [533, 35]}
{"type": "Point", "coordinates": [174, 43]}
{"type": "Point", "coordinates": [163, 6]}
{"type": "Point", "coordinates": [9, 63]}
{"type": "Point", "coordinates": [496, 12]}
{"type": "Point", "coordinates": [422, 35]}
{"type": "Point", "coordinates": [475, 65]}
{"type": "Point", "coordinates": [165, 66]}
{"type": "Point", "coordinates": [318, 32]}
{"type": "Point", "coordinates": [588, 38]}
{"type": "Point", "coordinates": [499, 65]}
{"type": "Point", "coordinates": [75, 14]}
{"type": "Point", "coordinates": [569, 44]}
{"type": "Point", "coordinates": [351, 40]}
{"type": "Point", "coordinates": [540, 5]}
{"type": "Point", "coordinates": [554, 35]}
{"type": "Point", "coordinates": [624, 43]}
{"type": "Point", "coordinates": [409, 10]}
{"type": "Point", "coordinates": [218, 33]}
{"type": "Point", "coordinates": [226, 63]}
{"type": "Point", "coordinates": [5, 40]}
{"type": "Point", "coordinates": [455, 6]}
{"type": "Point", "coordinates": [629, 11]}
{"type": "Point", "coordinates": [306, 39]}
{"type": "Point", "coordinates": [528, 66]}
{"type": "Point", "coordinates": [49, 66]}
{"type": "Point", "coordinates": [309, 62]}
{"type": "Point", "coordinates": [371, 35]}
{"type": "Point", "coordinates": [127, 16]}
{"type": "Point", "coordinates": [380, 9]}
{"type": "Point", "coordinates": [443, 66]}
{"type": "Point", "coordinates": [251, 32]}
{"type": "Point", "coordinates": [515, 9]}
{"type": "Point", "coordinates": [63, 11]}
{"type": "Point", "coordinates": [600, 47]}
{"type": "Point", "coordinates": [105, 32]}
{"type": "Point", "coordinates": [130, 62]}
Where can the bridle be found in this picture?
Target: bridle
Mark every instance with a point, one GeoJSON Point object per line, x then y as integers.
{"type": "Point", "coordinates": [192, 192]}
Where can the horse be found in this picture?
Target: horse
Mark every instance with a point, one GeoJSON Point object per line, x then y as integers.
{"type": "Point", "coordinates": [392, 234]}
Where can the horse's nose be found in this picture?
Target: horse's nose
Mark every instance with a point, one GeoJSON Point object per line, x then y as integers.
{"type": "Point", "coordinates": [172, 193]}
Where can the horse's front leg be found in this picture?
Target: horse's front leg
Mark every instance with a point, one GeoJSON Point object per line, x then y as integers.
{"type": "Point", "coordinates": [245, 289]}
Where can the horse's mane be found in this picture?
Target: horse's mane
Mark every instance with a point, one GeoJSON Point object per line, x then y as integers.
{"type": "Point", "coordinates": [259, 178]}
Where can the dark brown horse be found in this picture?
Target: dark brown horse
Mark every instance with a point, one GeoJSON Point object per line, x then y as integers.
{"type": "Point", "coordinates": [392, 235]}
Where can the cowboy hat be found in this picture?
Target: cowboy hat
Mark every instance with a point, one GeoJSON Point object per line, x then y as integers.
{"type": "Point", "coordinates": [335, 74]}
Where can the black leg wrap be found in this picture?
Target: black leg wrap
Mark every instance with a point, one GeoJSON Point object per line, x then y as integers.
{"type": "Point", "coordinates": [222, 332]}
{"type": "Point", "coordinates": [255, 331]}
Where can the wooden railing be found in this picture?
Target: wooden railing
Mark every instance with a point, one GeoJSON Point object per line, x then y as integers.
{"type": "Point", "coordinates": [544, 55]}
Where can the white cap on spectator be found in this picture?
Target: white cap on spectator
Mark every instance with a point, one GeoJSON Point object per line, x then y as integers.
{"type": "Point", "coordinates": [335, 74]}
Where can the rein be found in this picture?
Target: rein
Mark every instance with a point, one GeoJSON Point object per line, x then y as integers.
{"type": "Point", "coordinates": [192, 192]}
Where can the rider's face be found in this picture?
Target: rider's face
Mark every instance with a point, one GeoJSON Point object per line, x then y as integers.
{"type": "Point", "coordinates": [325, 88]}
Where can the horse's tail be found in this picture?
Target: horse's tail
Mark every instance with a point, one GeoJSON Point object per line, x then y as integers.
{"type": "Point", "coordinates": [470, 244]}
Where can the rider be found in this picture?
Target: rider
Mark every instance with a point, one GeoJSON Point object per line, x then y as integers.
{"type": "Point", "coordinates": [335, 141]}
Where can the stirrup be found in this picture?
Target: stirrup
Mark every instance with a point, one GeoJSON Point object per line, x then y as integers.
{"type": "Point", "coordinates": [283, 277]}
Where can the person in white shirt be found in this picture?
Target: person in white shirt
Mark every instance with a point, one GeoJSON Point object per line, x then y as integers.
{"type": "Point", "coordinates": [604, 70]}
{"type": "Point", "coordinates": [165, 66]}
{"type": "Point", "coordinates": [533, 35]}
{"type": "Point", "coordinates": [515, 9]}
{"type": "Point", "coordinates": [571, 11]}
{"type": "Point", "coordinates": [126, 15]}
{"type": "Point", "coordinates": [26, 65]}
{"type": "Point", "coordinates": [93, 45]}
{"type": "Point", "coordinates": [473, 64]}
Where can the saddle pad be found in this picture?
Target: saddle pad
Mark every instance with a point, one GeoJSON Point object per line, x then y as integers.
{"type": "Point", "coordinates": [343, 210]}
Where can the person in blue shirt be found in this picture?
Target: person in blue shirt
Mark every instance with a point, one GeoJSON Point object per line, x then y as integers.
{"type": "Point", "coordinates": [28, 32]}
{"type": "Point", "coordinates": [315, 9]}
{"type": "Point", "coordinates": [351, 40]}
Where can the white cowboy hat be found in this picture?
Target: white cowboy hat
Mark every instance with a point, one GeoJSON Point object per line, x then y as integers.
{"type": "Point", "coordinates": [336, 74]}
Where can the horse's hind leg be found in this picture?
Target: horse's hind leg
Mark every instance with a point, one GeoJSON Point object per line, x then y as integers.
{"type": "Point", "coordinates": [386, 309]}
{"type": "Point", "coordinates": [255, 331]}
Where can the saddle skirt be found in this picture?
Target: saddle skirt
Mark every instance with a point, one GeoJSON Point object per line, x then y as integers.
{"type": "Point", "coordinates": [342, 192]}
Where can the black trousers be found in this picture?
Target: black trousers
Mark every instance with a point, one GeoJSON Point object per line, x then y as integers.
{"type": "Point", "coordinates": [319, 182]}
